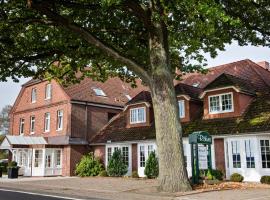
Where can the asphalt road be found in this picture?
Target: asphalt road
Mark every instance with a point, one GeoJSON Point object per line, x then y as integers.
{"type": "Point", "coordinates": [17, 195]}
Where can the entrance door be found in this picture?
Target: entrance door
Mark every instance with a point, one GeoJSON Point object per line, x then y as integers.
{"type": "Point", "coordinates": [23, 158]}
{"type": "Point", "coordinates": [38, 162]}
{"type": "Point", "coordinates": [144, 151]}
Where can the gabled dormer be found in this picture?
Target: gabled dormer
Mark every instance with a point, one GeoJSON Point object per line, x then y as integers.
{"type": "Point", "coordinates": [139, 111]}
{"type": "Point", "coordinates": [227, 96]}
{"type": "Point", "coordinates": [189, 104]}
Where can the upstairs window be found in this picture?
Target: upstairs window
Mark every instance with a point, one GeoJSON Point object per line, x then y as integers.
{"type": "Point", "coordinates": [47, 122]}
{"type": "Point", "coordinates": [137, 115]}
{"type": "Point", "coordinates": [221, 103]}
{"type": "Point", "coordinates": [59, 120]}
{"type": "Point", "coordinates": [99, 92]}
{"type": "Point", "coordinates": [34, 95]}
{"type": "Point", "coordinates": [21, 129]}
{"type": "Point", "coordinates": [32, 124]}
{"type": "Point", "coordinates": [181, 105]}
{"type": "Point", "coordinates": [48, 91]}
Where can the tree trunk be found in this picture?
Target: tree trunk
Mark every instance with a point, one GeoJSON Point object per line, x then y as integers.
{"type": "Point", "coordinates": [172, 171]}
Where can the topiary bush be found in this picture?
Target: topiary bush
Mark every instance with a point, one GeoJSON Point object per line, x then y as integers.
{"type": "Point", "coordinates": [135, 174]}
{"type": "Point", "coordinates": [103, 173]}
{"type": "Point", "coordinates": [116, 166]}
{"type": "Point", "coordinates": [235, 177]}
{"type": "Point", "coordinates": [151, 167]}
{"type": "Point", "coordinates": [89, 166]}
{"type": "Point", "coordinates": [265, 179]}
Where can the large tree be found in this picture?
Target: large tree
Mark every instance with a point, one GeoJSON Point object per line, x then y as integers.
{"type": "Point", "coordinates": [4, 119]}
{"type": "Point", "coordinates": [149, 39]}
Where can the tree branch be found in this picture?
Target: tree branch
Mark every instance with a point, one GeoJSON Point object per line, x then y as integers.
{"type": "Point", "coordinates": [87, 36]}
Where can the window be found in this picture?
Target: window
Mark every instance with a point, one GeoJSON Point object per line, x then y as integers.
{"type": "Point", "coordinates": [99, 92]}
{"type": "Point", "coordinates": [142, 156]}
{"type": "Point", "coordinates": [125, 155]}
{"type": "Point", "coordinates": [34, 95]}
{"type": "Point", "coordinates": [59, 120]}
{"type": "Point", "coordinates": [48, 161]}
{"type": "Point", "coordinates": [58, 158]}
{"type": "Point", "coordinates": [221, 103]}
{"type": "Point", "coordinates": [236, 154]}
{"type": "Point", "coordinates": [32, 124]}
{"type": "Point", "coordinates": [48, 91]}
{"type": "Point", "coordinates": [47, 122]}
{"type": "Point", "coordinates": [265, 153]}
{"type": "Point", "coordinates": [181, 105]}
{"type": "Point", "coordinates": [21, 129]}
{"type": "Point", "coordinates": [109, 153]}
{"type": "Point", "coordinates": [128, 96]}
{"type": "Point", "coordinates": [250, 158]}
{"type": "Point", "coordinates": [137, 115]}
{"type": "Point", "coordinates": [38, 158]}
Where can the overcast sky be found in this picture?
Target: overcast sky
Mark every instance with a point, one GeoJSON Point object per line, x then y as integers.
{"type": "Point", "coordinates": [9, 90]}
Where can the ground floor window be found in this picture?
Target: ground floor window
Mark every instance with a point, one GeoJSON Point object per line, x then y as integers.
{"type": "Point", "coordinates": [265, 153]}
{"type": "Point", "coordinates": [142, 156]}
{"type": "Point", "coordinates": [250, 157]}
{"type": "Point", "coordinates": [124, 150]}
{"type": "Point", "coordinates": [236, 157]}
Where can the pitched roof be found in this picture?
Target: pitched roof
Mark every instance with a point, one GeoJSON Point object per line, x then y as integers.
{"type": "Point", "coordinates": [143, 96]}
{"type": "Point", "coordinates": [258, 76]}
{"type": "Point", "coordinates": [255, 119]}
{"type": "Point", "coordinates": [184, 89]}
{"type": "Point", "coordinates": [225, 80]}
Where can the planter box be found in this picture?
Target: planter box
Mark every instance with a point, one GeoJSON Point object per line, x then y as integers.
{"type": "Point", "coordinates": [13, 172]}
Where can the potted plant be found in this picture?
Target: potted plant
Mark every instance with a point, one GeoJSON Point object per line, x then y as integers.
{"type": "Point", "coordinates": [12, 169]}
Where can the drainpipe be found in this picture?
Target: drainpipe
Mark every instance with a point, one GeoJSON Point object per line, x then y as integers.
{"type": "Point", "coordinates": [86, 122]}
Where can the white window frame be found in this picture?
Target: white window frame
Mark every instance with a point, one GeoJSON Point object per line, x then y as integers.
{"type": "Point", "coordinates": [137, 115]}
{"type": "Point", "coordinates": [60, 114]}
{"type": "Point", "coordinates": [182, 113]}
{"type": "Point", "coordinates": [22, 124]}
{"type": "Point", "coordinates": [220, 103]}
{"type": "Point", "coordinates": [47, 122]}
{"type": "Point", "coordinates": [34, 95]}
{"type": "Point", "coordinates": [48, 91]}
{"type": "Point", "coordinates": [32, 121]}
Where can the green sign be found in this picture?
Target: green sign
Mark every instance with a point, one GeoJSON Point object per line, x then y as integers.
{"type": "Point", "coordinates": [200, 137]}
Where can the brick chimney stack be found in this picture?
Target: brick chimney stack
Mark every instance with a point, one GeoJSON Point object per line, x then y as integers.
{"type": "Point", "coordinates": [264, 64]}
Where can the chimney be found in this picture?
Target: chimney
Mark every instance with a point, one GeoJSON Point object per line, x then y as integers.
{"type": "Point", "coordinates": [264, 64]}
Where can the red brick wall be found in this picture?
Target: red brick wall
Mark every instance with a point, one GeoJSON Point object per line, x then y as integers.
{"type": "Point", "coordinates": [219, 153]}
{"type": "Point", "coordinates": [99, 152]}
{"type": "Point", "coordinates": [71, 156]}
{"type": "Point", "coordinates": [134, 157]}
{"type": "Point", "coordinates": [240, 102]}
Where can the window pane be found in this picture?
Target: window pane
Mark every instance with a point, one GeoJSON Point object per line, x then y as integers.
{"type": "Point", "coordinates": [142, 156]}
{"type": "Point", "coordinates": [181, 105]}
{"type": "Point", "coordinates": [265, 153]}
{"type": "Point", "coordinates": [214, 104]}
{"type": "Point", "coordinates": [226, 101]}
{"type": "Point", "coordinates": [125, 155]}
{"type": "Point", "coordinates": [236, 157]}
{"type": "Point", "coordinates": [250, 160]}
{"type": "Point", "coordinates": [137, 115]}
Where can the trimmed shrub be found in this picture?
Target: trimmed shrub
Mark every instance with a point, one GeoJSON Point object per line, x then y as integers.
{"type": "Point", "coordinates": [217, 174]}
{"type": "Point", "coordinates": [209, 175]}
{"type": "Point", "coordinates": [151, 168]}
{"type": "Point", "coordinates": [135, 174]}
{"type": "Point", "coordinates": [88, 166]}
{"type": "Point", "coordinates": [235, 177]}
{"type": "Point", "coordinates": [103, 173]}
{"type": "Point", "coordinates": [265, 179]}
{"type": "Point", "coordinates": [116, 166]}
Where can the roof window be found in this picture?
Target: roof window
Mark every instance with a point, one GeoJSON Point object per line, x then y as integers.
{"type": "Point", "coordinates": [128, 96]}
{"type": "Point", "coordinates": [99, 92]}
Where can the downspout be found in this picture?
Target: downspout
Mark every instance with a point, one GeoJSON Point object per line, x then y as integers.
{"type": "Point", "coordinates": [86, 122]}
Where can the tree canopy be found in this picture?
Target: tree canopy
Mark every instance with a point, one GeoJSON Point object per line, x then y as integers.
{"type": "Point", "coordinates": [110, 34]}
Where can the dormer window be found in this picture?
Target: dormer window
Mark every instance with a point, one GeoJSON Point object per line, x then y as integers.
{"type": "Point", "coordinates": [221, 103]}
{"type": "Point", "coordinates": [34, 95]}
{"type": "Point", "coordinates": [137, 115]}
{"type": "Point", "coordinates": [99, 92]}
{"type": "Point", "coordinates": [48, 91]}
{"type": "Point", "coordinates": [181, 105]}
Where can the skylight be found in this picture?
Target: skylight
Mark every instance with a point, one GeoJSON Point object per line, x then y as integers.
{"type": "Point", "coordinates": [128, 97]}
{"type": "Point", "coordinates": [99, 92]}
{"type": "Point", "coordinates": [196, 84]}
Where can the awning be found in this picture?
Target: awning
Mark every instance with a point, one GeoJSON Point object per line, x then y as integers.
{"type": "Point", "coordinates": [21, 140]}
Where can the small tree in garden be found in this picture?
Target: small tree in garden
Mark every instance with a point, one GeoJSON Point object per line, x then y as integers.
{"type": "Point", "coordinates": [89, 166]}
{"type": "Point", "coordinates": [151, 168]}
{"type": "Point", "coordinates": [116, 166]}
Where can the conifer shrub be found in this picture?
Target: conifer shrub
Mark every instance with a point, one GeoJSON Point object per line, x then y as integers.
{"type": "Point", "coordinates": [151, 168]}
{"type": "Point", "coordinates": [265, 179]}
{"type": "Point", "coordinates": [116, 166]}
{"type": "Point", "coordinates": [235, 177]}
{"type": "Point", "coordinates": [89, 166]}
